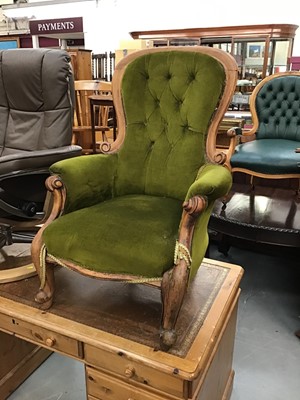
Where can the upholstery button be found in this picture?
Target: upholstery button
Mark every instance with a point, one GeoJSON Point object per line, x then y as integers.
{"type": "Point", "coordinates": [192, 77]}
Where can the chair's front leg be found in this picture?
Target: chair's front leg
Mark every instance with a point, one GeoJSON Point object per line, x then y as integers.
{"type": "Point", "coordinates": [174, 282]}
{"type": "Point", "coordinates": [173, 289]}
{"type": "Point", "coordinates": [45, 271]}
{"type": "Point", "coordinates": [44, 297]}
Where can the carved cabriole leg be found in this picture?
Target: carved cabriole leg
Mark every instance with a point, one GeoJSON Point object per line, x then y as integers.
{"type": "Point", "coordinates": [45, 294]}
{"type": "Point", "coordinates": [173, 288]}
{"type": "Point", "coordinates": [175, 281]}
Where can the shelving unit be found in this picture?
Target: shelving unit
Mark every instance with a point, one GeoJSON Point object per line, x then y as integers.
{"type": "Point", "coordinates": [259, 50]}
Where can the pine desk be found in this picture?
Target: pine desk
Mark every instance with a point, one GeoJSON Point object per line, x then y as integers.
{"type": "Point", "coordinates": [112, 328]}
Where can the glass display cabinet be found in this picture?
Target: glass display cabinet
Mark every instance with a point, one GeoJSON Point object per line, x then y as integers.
{"type": "Point", "coordinates": [260, 50]}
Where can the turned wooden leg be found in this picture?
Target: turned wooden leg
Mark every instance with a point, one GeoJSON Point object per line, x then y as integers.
{"type": "Point", "coordinates": [173, 289]}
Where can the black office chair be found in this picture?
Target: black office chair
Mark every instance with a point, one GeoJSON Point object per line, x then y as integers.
{"type": "Point", "coordinates": [36, 119]}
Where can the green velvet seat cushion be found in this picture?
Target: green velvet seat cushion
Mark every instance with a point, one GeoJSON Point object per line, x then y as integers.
{"type": "Point", "coordinates": [134, 234]}
{"type": "Point", "coordinates": [269, 156]}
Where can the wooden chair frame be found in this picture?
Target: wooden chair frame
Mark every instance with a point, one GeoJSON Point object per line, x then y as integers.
{"type": "Point", "coordinates": [82, 125]}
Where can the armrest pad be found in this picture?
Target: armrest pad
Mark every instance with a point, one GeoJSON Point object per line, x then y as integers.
{"type": "Point", "coordinates": [87, 179]}
{"type": "Point", "coordinates": [213, 181]}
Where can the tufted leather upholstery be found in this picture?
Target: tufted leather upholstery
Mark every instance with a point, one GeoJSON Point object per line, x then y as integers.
{"type": "Point", "coordinates": [275, 108]}
{"type": "Point", "coordinates": [278, 109]}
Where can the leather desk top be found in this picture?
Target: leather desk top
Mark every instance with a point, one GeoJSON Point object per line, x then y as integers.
{"type": "Point", "coordinates": [132, 311]}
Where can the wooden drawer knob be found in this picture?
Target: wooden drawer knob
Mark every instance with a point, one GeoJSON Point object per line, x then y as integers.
{"type": "Point", "coordinates": [129, 371]}
{"type": "Point", "coordinates": [50, 342]}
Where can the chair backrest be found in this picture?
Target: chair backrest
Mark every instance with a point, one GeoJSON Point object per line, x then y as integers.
{"type": "Point", "coordinates": [275, 107]}
{"type": "Point", "coordinates": [36, 100]}
{"type": "Point", "coordinates": [170, 102]}
{"type": "Point", "coordinates": [84, 89]}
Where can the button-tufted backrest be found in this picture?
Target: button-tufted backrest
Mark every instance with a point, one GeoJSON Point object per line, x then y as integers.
{"type": "Point", "coordinates": [169, 99]}
{"type": "Point", "coordinates": [277, 106]}
{"type": "Point", "coordinates": [36, 100]}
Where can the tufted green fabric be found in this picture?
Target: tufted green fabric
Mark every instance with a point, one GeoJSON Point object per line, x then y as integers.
{"type": "Point", "coordinates": [278, 109]}
{"type": "Point", "coordinates": [123, 210]}
{"type": "Point", "coordinates": [104, 236]}
{"type": "Point", "coordinates": [213, 181]}
{"type": "Point", "coordinates": [115, 244]}
{"type": "Point", "coordinates": [88, 181]}
{"type": "Point", "coordinates": [165, 138]}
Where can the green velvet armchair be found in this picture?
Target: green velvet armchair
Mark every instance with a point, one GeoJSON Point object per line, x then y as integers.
{"type": "Point", "coordinates": [139, 210]}
{"type": "Point", "coordinates": [269, 150]}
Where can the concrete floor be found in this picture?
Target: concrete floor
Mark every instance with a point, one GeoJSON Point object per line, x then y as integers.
{"type": "Point", "coordinates": [267, 352]}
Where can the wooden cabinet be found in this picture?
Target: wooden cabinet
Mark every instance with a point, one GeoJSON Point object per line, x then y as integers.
{"type": "Point", "coordinates": [81, 60]}
{"type": "Point", "coordinates": [259, 50]}
{"type": "Point", "coordinates": [105, 387]}
{"type": "Point", "coordinates": [213, 381]}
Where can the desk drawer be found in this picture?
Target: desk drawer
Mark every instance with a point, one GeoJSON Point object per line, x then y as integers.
{"type": "Point", "coordinates": [135, 371]}
{"type": "Point", "coordinates": [103, 387]}
{"type": "Point", "coordinates": [41, 336]}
